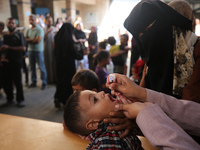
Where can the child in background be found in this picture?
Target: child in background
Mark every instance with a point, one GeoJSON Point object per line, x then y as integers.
{"type": "Point", "coordinates": [84, 64]}
{"type": "Point", "coordinates": [101, 60]}
{"type": "Point", "coordinates": [134, 76]}
{"type": "Point", "coordinates": [116, 55]}
{"type": "Point", "coordinates": [85, 79]}
{"type": "Point", "coordinates": [102, 47]}
{"type": "Point", "coordinates": [83, 115]}
{"type": "Point", "coordinates": [137, 71]}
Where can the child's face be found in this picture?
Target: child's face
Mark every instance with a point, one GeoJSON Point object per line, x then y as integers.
{"type": "Point", "coordinates": [96, 105]}
{"type": "Point", "coordinates": [107, 61]}
{"type": "Point", "coordinates": [123, 40]}
{"type": "Point", "coordinates": [134, 73]}
{"type": "Point", "coordinates": [86, 51]}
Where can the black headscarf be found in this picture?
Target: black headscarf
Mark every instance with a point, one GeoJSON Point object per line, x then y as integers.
{"type": "Point", "coordinates": [79, 34]}
{"type": "Point", "coordinates": [151, 24]}
{"type": "Point", "coordinates": [64, 41]}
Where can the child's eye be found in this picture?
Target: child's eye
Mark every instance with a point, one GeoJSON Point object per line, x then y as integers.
{"type": "Point", "coordinates": [95, 100]}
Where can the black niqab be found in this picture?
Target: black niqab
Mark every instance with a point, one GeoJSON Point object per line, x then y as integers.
{"type": "Point", "coordinates": [151, 23]}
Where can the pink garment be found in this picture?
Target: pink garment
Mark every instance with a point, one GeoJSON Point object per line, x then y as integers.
{"type": "Point", "coordinates": [163, 123]}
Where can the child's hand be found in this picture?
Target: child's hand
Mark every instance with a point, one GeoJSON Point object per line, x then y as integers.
{"type": "Point", "coordinates": [122, 123]}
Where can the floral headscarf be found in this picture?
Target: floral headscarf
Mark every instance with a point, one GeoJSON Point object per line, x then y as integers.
{"type": "Point", "coordinates": [183, 48]}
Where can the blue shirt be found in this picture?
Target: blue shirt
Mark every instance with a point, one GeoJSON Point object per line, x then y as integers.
{"type": "Point", "coordinates": [33, 33]}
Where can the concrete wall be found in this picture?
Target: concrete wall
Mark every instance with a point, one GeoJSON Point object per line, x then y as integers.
{"type": "Point", "coordinates": [92, 15]}
{"type": "Point", "coordinates": [4, 10]}
{"type": "Point", "coordinates": [24, 11]}
{"type": "Point", "coordinates": [57, 9]}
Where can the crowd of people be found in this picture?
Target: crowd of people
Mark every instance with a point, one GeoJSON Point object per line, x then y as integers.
{"type": "Point", "coordinates": [165, 57]}
{"type": "Point", "coordinates": [51, 48]}
{"type": "Point", "coordinates": [165, 39]}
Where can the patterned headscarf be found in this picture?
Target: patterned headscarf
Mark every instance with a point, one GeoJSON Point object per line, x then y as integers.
{"type": "Point", "coordinates": [183, 48]}
{"type": "Point", "coordinates": [184, 8]}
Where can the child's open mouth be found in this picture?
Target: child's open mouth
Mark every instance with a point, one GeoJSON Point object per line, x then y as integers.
{"type": "Point", "coordinates": [114, 99]}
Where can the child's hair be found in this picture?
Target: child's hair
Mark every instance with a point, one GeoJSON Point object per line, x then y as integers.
{"type": "Point", "coordinates": [126, 36]}
{"type": "Point", "coordinates": [73, 119]}
{"type": "Point", "coordinates": [100, 56]}
{"type": "Point", "coordinates": [87, 79]}
{"type": "Point", "coordinates": [111, 40]}
{"type": "Point", "coordinates": [2, 25]}
{"type": "Point", "coordinates": [102, 45]}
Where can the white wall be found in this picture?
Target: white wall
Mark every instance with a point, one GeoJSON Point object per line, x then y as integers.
{"type": "Point", "coordinates": [4, 10]}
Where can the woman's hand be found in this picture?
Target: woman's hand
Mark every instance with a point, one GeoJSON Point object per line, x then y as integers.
{"type": "Point", "coordinates": [83, 137]}
{"type": "Point", "coordinates": [132, 110]}
{"type": "Point", "coordinates": [122, 123]}
{"type": "Point", "coordinates": [124, 85]}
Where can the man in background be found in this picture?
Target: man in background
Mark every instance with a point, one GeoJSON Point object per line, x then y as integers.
{"type": "Point", "coordinates": [35, 39]}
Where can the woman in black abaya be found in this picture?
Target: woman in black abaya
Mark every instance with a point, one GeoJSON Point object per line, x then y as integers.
{"type": "Point", "coordinates": [65, 64]}
{"type": "Point", "coordinates": [152, 24]}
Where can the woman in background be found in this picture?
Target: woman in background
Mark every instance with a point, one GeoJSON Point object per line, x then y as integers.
{"type": "Point", "coordinates": [65, 63]}
{"type": "Point", "coordinates": [93, 46]}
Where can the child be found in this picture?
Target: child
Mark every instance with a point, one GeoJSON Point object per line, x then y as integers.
{"type": "Point", "coordinates": [85, 80]}
{"type": "Point", "coordinates": [100, 61]}
{"type": "Point", "coordinates": [134, 76]}
{"type": "Point", "coordinates": [102, 47]}
{"type": "Point", "coordinates": [84, 62]}
{"type": "Point", "coordinates": [83, 115]}
{"type": "Point", "coordinates": [116, 56]}
{"type": "Point", "coordinates": [137, 71]}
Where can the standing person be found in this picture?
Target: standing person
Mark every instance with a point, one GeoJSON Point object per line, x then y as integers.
{"type": "Point", "coordinates": [48, 50]}
{"type": "Point", "coordinates": [100, 61]}
{"type": "Point", "coordinates": [80, 37]}
{"type": "Point", "coordinates": [79, 21]}
{"type": "Point", "coordinates": [1, 33]}
{"type": "Point", "coordinates": [116, 55]}
{"type": "Point", "coordinates": [79, 34]}
{"type": "Point", "coordinates": [59, 23]}
{"type": "Point", "coordinates": [41, 21]}
{"type": "Point", "coordinates": [84, 62]}
{"type": "Point", "coordinates": [170, 50]}
{"type": "Point", "coordinates": [93, 46]}
{"type": "Point", "coordinates": [13, 48]}
{"type": "Point", "coordinates": [35, 38]}
{"type": "Point", "coordinates": [65, 64]}
{"type": "Point", "coordinates": [68, 19]}
{"type": "Point", "coordinates": [2, 25]}
{"type": "Point", "coordinates": [124, 45]}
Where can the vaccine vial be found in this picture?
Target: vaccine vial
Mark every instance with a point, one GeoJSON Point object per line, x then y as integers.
{"type": "Point", "coordinates": [112, 78]}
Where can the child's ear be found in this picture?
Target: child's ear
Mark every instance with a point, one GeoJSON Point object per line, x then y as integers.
{"type": "Point", "coordinates": [92, 124]}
